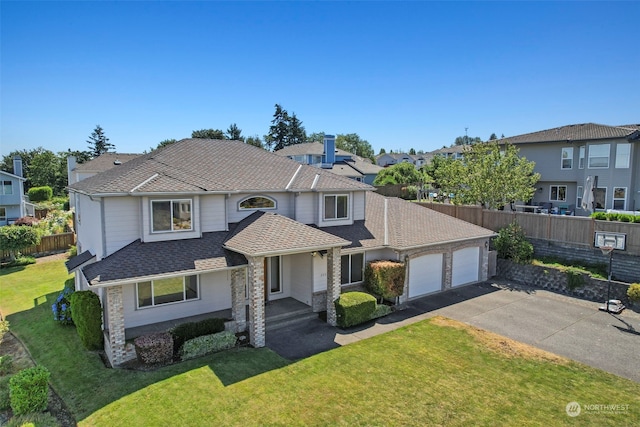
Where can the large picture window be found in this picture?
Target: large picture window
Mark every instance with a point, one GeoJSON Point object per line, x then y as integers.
{"type": "Point", "coordinates": [351, 268]}
{"type": "Point", "coordinates": [599, 156]}
{"type": "Point", "coordinates": [336, 207]}
{"type": "Point", "coordinates": [558, 193]}
{"type": "Point", "coordinates": [619, 198]}
{"type": "Point", "coordinates": [171, 215]}
{"type": "Point", "coordinates": [567, 158]}
{"type": "Point", "coordinates": [258, 202]}
{"type": "Point", "coordinates": [623, 154]}
{"type": "Point", "coordinates": [164, 291]}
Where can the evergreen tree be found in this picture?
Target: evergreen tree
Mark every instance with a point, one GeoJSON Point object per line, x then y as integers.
{"type": "Point", "coordinates": [276, 139]}
{"type": "Point", "coordinates": [382, 151]}
{"type": "Point", "coordinates": [234, 133]}
{"type": "Point", "coordinates": [254, 140]}
{"type": "Point", "coordinates": [208, 134]}
{"type": "Point", "coordinates": [297, 134]}
{"type": "Point", "coordinates": [493, 137]}
{"type": "Point", "coordinates": [99, 143]}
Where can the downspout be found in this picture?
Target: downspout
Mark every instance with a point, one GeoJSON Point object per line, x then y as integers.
{"type": "Point", "coordinates": [226, 211]}
{"type": "Point", "coordinates": [386, 224]}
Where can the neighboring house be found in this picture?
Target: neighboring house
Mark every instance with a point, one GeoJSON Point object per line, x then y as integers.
{"type": "Point", "coordinates": [202, 226]}
{"type": "Point", "coordinates": [12, 199]}
{"type": "Point", "coordinates": [390, 159]}
{"type": "Point", "coordinates": [566, 157]}
{"type": "Point", "coordinates": [337, 161]}
{"type": "Point", "coordinates": [454, 152]}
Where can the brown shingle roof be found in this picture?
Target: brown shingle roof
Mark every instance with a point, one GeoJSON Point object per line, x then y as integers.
{"type": "Point", "coordinates": [579, 132]}
{"type": "Point", "coordinates": [105, 162]}
{"type": "Point", "coordinates": [266, 233]}
{"type": "Point", "coordinates": [315, 148]}
{"type": "Point", "coordinates": [202, 165]}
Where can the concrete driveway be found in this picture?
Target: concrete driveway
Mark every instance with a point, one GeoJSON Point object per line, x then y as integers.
{"type": "Point", "coordinates": [563, 325]}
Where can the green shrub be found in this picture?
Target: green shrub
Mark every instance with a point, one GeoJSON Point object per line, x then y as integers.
{"type": "Point", "coordinates": [381, 311]}
{"type": "Point", "coordinates": [625, 218]}
{"type": "Point", "coordinates": [601, 216]}
{"type": "Point", "coordinates": [21, 260]}
{"type": "Point", "coordinates": [4, 328]}
{"type": "Point", "coordinates": [40, 194]}
{"type": "Point", "coordinates": [29, 390]}
{"type": "Point", "coordinates": [385, 278]}
{"type": "Point", "coordinates": [353, 308]}
{"type": "Point", "coordinates": [73, 251]}
{"type": "Point", "coordinates": [6, 364]}
{"type": "Point", "coordinates": [33, 420]}
{"type": "Point", "coordinates": [87, 315]}
{"type": "Point", "coordinates": [190, 330]}
{"type": "Point", "coordinates": [5, 400]}
{"type": "Point", "coordinates": [206, 344]}
{"type": "Point", "coordinates": [636, 219]}
{"type": "Point", "coordinates": [634, 292]}
{"type": "Point", "coordinates": [409, 192]}
{"type": "Point", "coordinates": [575, 278]}
{"type": "Point", "coordinates": [154, 348]}
{"type": "Point", "coordinates": [511, 243]}
{"type": "Point", "coordinates": [613, 216]}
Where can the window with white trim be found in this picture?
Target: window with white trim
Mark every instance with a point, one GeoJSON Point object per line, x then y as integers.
{"type": "Point", "coordinates": [352, 268]}
{"type": "Point", "coordinates": [336, 206]}
{"type": "Point", "coordinates": [579, 196]}
{"type": "Point", "coordinates": [567, 158]}
{"type": "Point", "coordinates": [7, 187]}
{"type": "Point", "coordinates": [581, 154]}
{"type": "Point", "coordinates": [164, 291]}
{"type": "Point", "coordinates": [599, 156]}
{"type": "Point", "coordinates": [171, 215]}
{"type": "Point", "coordinates": [623, 154]}
{"type": "Point", "coordinates": [558, 193]}
{"type": "Point", "coordinates": [257, 202]}
{"type": "Point", "coordinates": [619, 198]}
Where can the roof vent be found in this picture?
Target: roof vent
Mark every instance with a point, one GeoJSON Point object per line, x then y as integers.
{"type": "Point", "coordinates": [117, 162]}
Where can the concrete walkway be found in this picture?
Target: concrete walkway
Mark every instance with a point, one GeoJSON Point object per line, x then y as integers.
{"type": "Point", "coordinates": [563, 325]}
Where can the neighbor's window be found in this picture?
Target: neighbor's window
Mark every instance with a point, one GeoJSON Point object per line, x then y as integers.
{"type": "Point", "coordinates": [579, 196]}
{"type": "Point", "coordinates": [600, 197]}
{"type": "Point", "coordinates": [623, 154]}
{"type": "Point", "coordinates": [257, 203]}
{"type": "Point", "coordinates": [7, 187]}
{"type": "Point", "coordinates": [581, 157]}
{"type": "Point", "coordinates": [599, 156]}
{"type": "Point", "coordinates": [171, 215]}
{"type": "Point", "coordinates": [351, 268]}
{"type": "Point", "coordinates": [619, 198]}
{"type": "Point", "coordinates": [3, 214]}
{"type": "Point", "coordinates": [164, 291]}
{"type": "Point", "coordinates": [558, 193]}
{"type": "Point", "coordinates": [567, 158]}
{"type": "Point", "coordinates": [336, 207]}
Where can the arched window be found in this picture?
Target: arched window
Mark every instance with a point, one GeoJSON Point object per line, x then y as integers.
{"type": "Point", "coordinates": [257, 202]}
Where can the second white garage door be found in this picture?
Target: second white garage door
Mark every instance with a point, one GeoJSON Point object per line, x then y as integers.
{"type": "Point", "coordinates": [466, 266]}
{"type": "Point", "coordinates": [425, 275]}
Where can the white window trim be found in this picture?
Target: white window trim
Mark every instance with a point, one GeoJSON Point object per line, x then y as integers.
{"type": "Point", "coordinates": [275, 204]}
{"type": "Point", "coordinates": [628, 156]}
{"type": "Point", "coordinates": [624, 200]}
{"type": "Point", "coordinates": [558, 193]}
{"type": "Point", "coordinates": [171, 201]}
{"type": "Point", "coordinates": [579, 194]}
{"type": "Point", "coordinates": [582, 151]}
{"type": "Point", "coordinates": [562, 159]}
{"type": "Point", "coordinates": [184, 289]}
{"type": "Point", "coordinates": [324, 198]}
{"type": "Point", "coordinates": [2, 189]}
{"type": "Point", "coordinates": [589, 157]}
{"type": "Point", "coordinates": [363, 266]}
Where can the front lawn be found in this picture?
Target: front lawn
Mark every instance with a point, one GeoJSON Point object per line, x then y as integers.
{"type": "Point", "coordinates": [434, 372]}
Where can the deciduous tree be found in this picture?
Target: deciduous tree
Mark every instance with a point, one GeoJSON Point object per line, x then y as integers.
{"type": "Point", "coordinates": [14, 238]}
{"type": "Point", "coordinates": [400, 173]}
{"type": "Point", "coordinates": [352, 143]}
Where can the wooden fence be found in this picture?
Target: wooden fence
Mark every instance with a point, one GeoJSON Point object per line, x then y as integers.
{"type": "Point", "coordinates": [48, 244]}
{"type": "Point", "coordinates": [560, 228]}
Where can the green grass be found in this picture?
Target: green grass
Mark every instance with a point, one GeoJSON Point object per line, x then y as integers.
{"type": "Point", "coordinates": [594, 270]}
{"type": "Point", "coordinates": [424, 374]}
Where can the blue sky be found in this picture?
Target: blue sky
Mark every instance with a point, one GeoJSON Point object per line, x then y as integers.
{"type": "Point", "coordinates": [400, 74]}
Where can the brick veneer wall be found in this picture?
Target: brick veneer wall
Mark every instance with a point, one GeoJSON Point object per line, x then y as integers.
{"type": "Point", "coordinates": [557, 281]}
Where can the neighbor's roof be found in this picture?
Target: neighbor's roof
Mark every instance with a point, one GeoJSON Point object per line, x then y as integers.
{"type": "Point", "coordinates": [104, 162]}
{"type": "Point", "coordinates": [345, 169]}
{"type": "Point", "coordinates": [580, 132]}
{"type": "Point", "coordinates": [266, 233]}
{"type": "Point", "coordinates": [314, 148]}
{"type": "Point", "coordinates": [204, 165]}
{"type": "Point", "coordinates": [9, 174]}
{"type": "Point", "coordinates": [141, 261]}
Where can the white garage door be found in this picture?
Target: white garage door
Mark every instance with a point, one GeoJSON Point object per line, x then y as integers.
{"type": "Point", "coordinates": [425, 275]}
{"type": "Point", "coordinates": [466, 266]}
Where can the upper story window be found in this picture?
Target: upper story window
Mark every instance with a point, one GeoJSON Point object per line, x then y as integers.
{"type": "Point", "coordinates": [623, 154]}
{"type": "Point", "coordinates": [171, 215]}
{"type": "Point", "coordinates": [300, 159]}
{"type": "Point", "coordinates": [567, 158]}
{"type": "Point", "coordinates": [7, 187]}
{"type": "Point", "coordinates": [258, 202]}
{"type": "Point", "coordinates": [581, 157]}
{"type": "Point", "coordinates": [558, 193]}
{"type": "Point", "coordinates": [599, 156]}
{"type": "Point", "coordinates": [336, 207]}
{"type": "Point", "coordinates": [164, 291]}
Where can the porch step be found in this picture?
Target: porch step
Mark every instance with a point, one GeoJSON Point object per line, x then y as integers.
{"type": "Point", "coordinates": [290, 318]}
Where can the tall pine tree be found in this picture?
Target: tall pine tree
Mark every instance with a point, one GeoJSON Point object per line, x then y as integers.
{"type": "Point", "coordinates": [99, 143]}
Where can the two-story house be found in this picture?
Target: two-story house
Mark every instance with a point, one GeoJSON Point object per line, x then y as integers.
{"type": "Point", "coordinates": [575, 158]}
{"type": "Point", "coordinates": [325, 155]}
{"type": "Point", "coordinates": [203, 226]}
{"type": "Point", "coordinates": [12, 199]}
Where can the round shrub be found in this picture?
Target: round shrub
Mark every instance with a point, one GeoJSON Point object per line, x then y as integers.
{"type": "Point", "coordinates": [511, 243]}
{"type": "Point", "coordinates": [87, 315]}
{"type": "Point", "coordinates": [353, 308]}
{"type": "Point", "coordinates": [634, 292]}
{"type": "Point", "coordinates": [29, 390]}
{"type": "Point", "coordinates": [40, 194]}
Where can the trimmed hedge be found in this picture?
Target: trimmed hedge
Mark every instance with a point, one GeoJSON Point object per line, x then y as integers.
{"type": "Point", "coordinates": [385, 278]}
{"type": "Point", "coordinates": [154, 348]}
{"type": "Point", "coordinates": [87, 315]}
{"type": "Point", "coordinates": [29, 390]}
{"type": "Point", "coordinates": [615, 216]}
{"type": "Point", "coordinates": [187, 331]}
{"type": "Point", "coordinates": [40, 194]}
{"type": "Point", "coordinates": [353, 308]}
{"type": "Point", "coordinates": [206, 344]}
{"type": "Point", "coordinates": [634, 292]}
{"type": "Point", "coordinates": [381, 311]}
